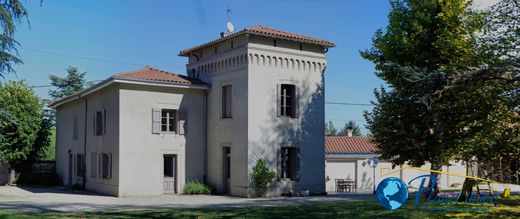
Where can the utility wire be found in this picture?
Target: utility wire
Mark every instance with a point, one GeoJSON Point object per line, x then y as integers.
{"type": "Point", "coordinates": [349, 104]}
{"type": "Point", "coordinates": [88, 58]}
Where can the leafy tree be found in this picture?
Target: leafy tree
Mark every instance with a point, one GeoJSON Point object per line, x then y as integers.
{"type": "Point", "coordinates": [356, 131]}
{"type": "Point", "coordinates": [261, 176]}
{"type": "Point", "coordinates": [12, 11]}
{"type": "Point", "coordinates": [68, 85]}
{"type": "Point", "coordinates": [330, 129]}
{"type": "Point", "coordinates": [424, 44]}
{"type": "Point", "coordinates": [25, 108]}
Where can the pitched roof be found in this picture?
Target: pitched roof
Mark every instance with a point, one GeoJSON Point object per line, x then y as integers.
{"type": "Point", "coordinates": [153, 74]}
{"type": "Point", "coordinates": [265, 31]}
{"type": "Point", "coordinates": [349, 145]}
{"type": "Point", "coordinates": [147, 75]}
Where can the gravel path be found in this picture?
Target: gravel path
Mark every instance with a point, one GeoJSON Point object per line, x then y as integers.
{"type": "Point", "coordinates": [61, 199]}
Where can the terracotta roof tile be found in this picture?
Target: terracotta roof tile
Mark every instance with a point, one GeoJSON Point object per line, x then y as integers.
{"type": "Point", "coordinates": [153, 74]}
{"type": "Point", "coordinates": [265, 31]}
{"type": "Point", "coordinates": [344, 144]}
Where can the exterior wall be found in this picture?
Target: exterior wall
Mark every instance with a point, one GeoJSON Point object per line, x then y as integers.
{"type": "Point", "coordinates": [267, 133]}
{"type": "Point", "coordinates": [142, 152]}
{"type": "Point", "coordinates": [352, 168]}
{"type": "Point", "coordinates": [254, 67]}
{"type": "Point", "coordinates": [227, 67]}
{"type": "Point", "coordinates": [106, 99]}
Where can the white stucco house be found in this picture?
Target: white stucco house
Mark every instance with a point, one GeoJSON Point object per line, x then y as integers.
{"type": "Point", "coordinates": [344, 157]}
{"type": "Point", "coordinates": [248, 95]}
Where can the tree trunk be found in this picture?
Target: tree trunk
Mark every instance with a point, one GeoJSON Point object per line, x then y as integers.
{"type": "Point", "coordinates": [12, 176]}
{"type": "Point", "coordinates": [437, 167]}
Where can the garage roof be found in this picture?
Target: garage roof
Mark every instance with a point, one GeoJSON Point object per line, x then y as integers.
{"type": "Point", "coordinates": [349, 145]}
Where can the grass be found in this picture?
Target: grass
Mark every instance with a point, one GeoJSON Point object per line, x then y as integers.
{"type": "Point", "coordinates": [508, 208]}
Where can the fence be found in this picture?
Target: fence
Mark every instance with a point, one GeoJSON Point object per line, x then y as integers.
{"type": "Point", "coordinates": [44, 167]}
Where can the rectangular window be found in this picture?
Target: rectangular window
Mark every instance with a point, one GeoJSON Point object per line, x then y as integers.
{"type": "Point", "coordinates": [287, 100]}
{"type": "Point", "coordinates": [106, 166]}
{"type": "Point", "coordinates": [226, 101]}
{"type": "Point", "coordinates": [99, 122]}
{"type": "Point", "coordinates": [93, 165]}
{"type": "Point", "coordinates": [75, 128]}
{"type": "Point", "coordinates": [168, 120]}
{"type": "Point", "coordinates": [80, 168]}
{"type": "Point", "coordinates": [289, 163]}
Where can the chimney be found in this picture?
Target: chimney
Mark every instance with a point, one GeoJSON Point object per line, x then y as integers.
{"type": "Point", "coordinates": [349, 132]}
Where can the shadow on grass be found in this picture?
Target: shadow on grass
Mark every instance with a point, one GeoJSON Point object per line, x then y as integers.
{"type": "Point", "coordinates": [509, 208]}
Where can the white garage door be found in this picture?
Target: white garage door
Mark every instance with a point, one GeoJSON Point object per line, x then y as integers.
{"type": "Point", "coordinates": [339, 170]}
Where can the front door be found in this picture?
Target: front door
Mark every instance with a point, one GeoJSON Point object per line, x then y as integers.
{"type": "Point", "coordinates": [170, 173]}
{"type": "Point", "coordinates": [226, 170]}
{"type": "Point", "coordinates": [71, 162]}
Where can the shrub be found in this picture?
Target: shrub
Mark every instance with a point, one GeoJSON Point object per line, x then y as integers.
{"type": "Point", "coordinates": [196, 188]}
{"type": "Point", "coordinates": [261, 176]}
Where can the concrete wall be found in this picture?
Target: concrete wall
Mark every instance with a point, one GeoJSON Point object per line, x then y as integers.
{"type": "Point", "coordinates": [254, 67]}
{"type": "Point", "coordinates": [106, 99]}
{"type": "Point", "coordinates": [267, 133]}
{"type": "Point", "coordinates": [228, 67]}
{"type": "Point", "coordinates": [142, 152]}
{"type": "Point", "coordinates": [352, 168]}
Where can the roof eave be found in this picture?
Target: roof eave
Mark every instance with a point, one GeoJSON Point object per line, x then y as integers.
{"type": "Point", "coordinates": [186, 52]}
{"type": "Point", "coordinates": [112, 80]}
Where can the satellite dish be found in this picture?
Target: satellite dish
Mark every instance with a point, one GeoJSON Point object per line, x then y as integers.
{"type": "Point", "coordinates": [230, 27]}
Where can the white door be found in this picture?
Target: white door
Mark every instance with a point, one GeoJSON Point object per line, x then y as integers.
{"type": "Point", "coordinates": [170, 173]}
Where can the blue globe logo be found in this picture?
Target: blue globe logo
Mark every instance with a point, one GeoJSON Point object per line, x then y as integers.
{"type": "Point", "coordinates": [392, 193]}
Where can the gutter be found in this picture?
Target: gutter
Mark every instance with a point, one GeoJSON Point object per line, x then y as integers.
{"type": "Point", "coordinates": [84, 142]}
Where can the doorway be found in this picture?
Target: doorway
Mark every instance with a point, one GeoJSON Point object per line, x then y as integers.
{"type": "Point", "coordinates": [226, 170]}
{"type": "Point", "coordinates": [71, 162]}
{"type": "Point", "coordinates": [170, 173]}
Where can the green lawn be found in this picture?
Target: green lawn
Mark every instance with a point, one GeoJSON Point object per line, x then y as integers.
{"type": "Point", "coordinates": [508, 208]}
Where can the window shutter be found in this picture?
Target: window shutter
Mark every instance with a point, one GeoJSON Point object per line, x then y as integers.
{"type": "Point", "coordinates": [278, 99]}
{"type": "Point", "coordinates": [182, 118]}
{"type": "Point", "coordinates": [296, 103]}
{"type": "Point", "coordinates": [100, 165]}
{"type": "Point", "coordinates": [297, 163]}
{"type": "Point", "coordinates": [93, 161]}
{"type": "Point", "coordinates": [279, 162]}
{"type": "Point", "coordinates": [156, 121]}
{"type": "Point", "coordinates": [94, 123]}
{"type": "Point", "coordinates": [109, 165]}
{"type": "Point", "coordinates": [104, 121]}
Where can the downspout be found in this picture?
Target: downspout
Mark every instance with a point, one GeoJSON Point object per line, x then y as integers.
{"type": "Point", "coordinates": [205, 178]}
{"type": "Point", "coordinates": [84, 142]}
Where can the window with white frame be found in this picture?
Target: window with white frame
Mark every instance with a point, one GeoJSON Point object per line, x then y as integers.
{"type": "Point", "coordinates": [99, 122]}
{"type": "Point", "coordinates": [287, 101]}
{"type": "Point", "coordinates": [289, 163]}
{"type": "Point", "coordinates": [169, 120]}
{"type": "Point", "coordinates": [75, 128]}
{"type": "Point", "coordinates": [105, 165]}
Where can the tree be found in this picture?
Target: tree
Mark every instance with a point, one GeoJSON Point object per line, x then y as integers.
{"type": "Point", "coordinates": [12, 11]}
{"type": "Point", "coordinates": [68, 85]}
{"type": "Point", "coordinates": [25, 108]}
{"type": "Point", "coordinates": [330, 129]}
{"type": "Point", "coordinates": [356, 131]}
{"type": "Point", "coordinates": [424, 44]}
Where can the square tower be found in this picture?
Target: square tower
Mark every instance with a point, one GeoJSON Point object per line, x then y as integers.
{"type": "Point", "coordinates": [266, 101]}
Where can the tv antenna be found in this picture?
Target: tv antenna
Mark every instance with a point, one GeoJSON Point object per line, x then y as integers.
{"type": "Point", "coordinates": [230, 27]}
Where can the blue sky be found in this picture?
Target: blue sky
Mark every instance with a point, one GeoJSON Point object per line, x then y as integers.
{"type": "Point", "coordinates": [119, 36]}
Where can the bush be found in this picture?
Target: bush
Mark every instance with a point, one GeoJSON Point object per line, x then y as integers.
{"type": "Point", "coordinates": [261, 176]}
{"type": "Point", "coordinates": [197, 188]}
{"type": "Point", "coordinates": [40, 179]}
